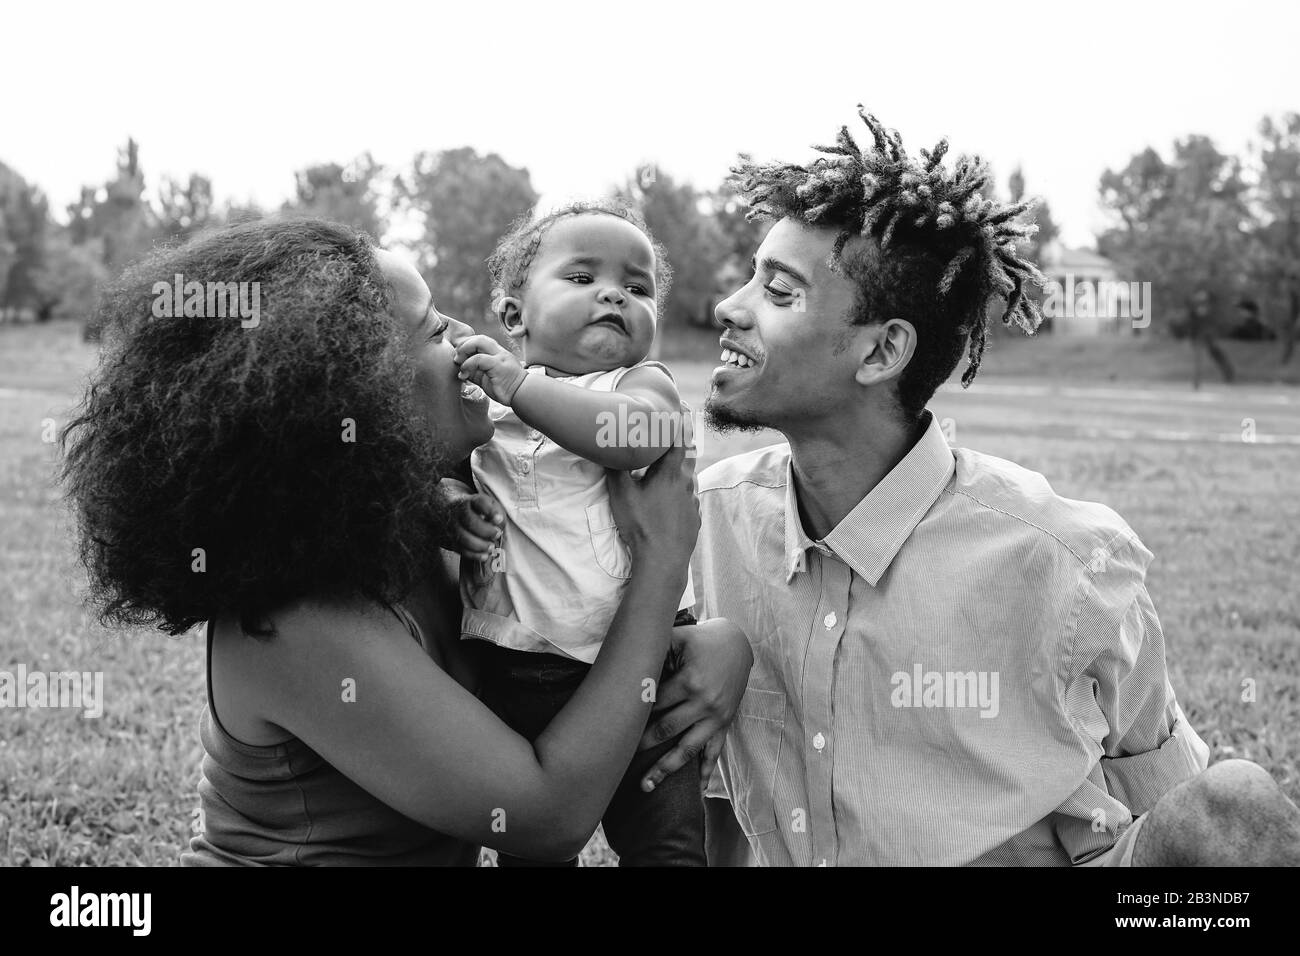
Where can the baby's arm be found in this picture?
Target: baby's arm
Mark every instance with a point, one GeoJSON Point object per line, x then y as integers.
{"type": "Point", "coordinates": [626, 429]}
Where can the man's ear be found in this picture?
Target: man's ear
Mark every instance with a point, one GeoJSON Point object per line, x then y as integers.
{"type": "Point", "coordinates": [511, 313]}
{"type": "Point", "coordinates": [888, 347]}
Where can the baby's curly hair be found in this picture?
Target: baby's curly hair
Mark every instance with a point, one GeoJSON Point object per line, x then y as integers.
{"type": "Point", "coordinates": [196, 433]}
{"type": "Point", "coordinates": [940, 252]}
{"type": "Point", "coordinates": [509, 262]}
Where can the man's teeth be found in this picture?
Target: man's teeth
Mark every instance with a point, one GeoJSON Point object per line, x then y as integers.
{"type": "Point", "coordinates": [735, 358]}
{"type": "Point", "coordinates": [471, 392]}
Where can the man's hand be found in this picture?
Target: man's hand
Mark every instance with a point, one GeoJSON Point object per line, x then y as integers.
{"type": "Point", "coordinates": [478, 520]}
{"type": "Point", "coordinates": [700, 698]}
{"type": "Point", "coordinates": [483, 361]}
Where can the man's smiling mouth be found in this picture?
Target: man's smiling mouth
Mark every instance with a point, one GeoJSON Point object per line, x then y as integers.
{"type": "Point", "coordinates": [735, 359]}
{"type": "Point", "coordinates": [732, 357]}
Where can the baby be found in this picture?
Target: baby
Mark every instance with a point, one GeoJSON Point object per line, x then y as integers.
{"type": "Point", "coordinates": [578, 291]}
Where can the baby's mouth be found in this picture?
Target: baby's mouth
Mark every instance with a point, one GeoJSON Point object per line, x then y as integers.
{"type": "Point", "coordinates": [612, 319]}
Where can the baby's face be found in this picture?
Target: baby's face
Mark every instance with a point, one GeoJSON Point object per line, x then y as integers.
{"type": "Point", "coordinates": [589, 302]}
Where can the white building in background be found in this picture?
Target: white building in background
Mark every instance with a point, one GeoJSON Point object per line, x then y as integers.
{"type": "Point", "coordinates": [1083, 293]}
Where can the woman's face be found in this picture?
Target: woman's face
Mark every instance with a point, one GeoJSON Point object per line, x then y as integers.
{"type": "Point", "coordinates": [457, 411]}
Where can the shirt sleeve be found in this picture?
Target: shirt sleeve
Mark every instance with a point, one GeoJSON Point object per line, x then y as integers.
{"type": "Point", "coordinates": [1120, 703]}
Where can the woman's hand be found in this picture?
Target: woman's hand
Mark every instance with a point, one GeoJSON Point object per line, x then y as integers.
{"type": "Point", "coordinates": [658, 517]}
{"type": "Point", "coordinates": [701, 697]}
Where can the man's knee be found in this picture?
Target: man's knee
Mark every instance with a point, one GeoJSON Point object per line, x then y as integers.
{"type": "Point", "coordinates": [1232, 789]}
{"type": "Point", "coordinates": [1231, 813]}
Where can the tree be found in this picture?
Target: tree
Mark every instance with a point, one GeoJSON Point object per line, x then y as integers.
{"type": "Point", "coordinates": [1042, 214]}
{"type": "Point", "coordinates": [69, 280]}
{"type": "Point", "coordinates": [117, 214]}
{"type": "Point", "coordinates": [115, 219]}
{"type": "Point", "coordinates": [1183, 226]}
{"type": "Point", "coordinates": [185, 209]}
{"type": "Point", "coordinates": [24, 215]}
{"type": "Point", "coordinates": [741, 237]}
{"type": "Point", "coordinates": [345, 194]}
{"type": "Point", "coordinates": [466, 202]}
{"type": "Point", "coordinates": [7, 258]}
{"type": "Point", "coordinates": [679, 218]}
{"type": "Point", "coordinates": [1277, 250]}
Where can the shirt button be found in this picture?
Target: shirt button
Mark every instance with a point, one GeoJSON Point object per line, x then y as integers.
{"type": "Point", "coordinates": [819, 742]}
{"type": "Point", "coordinates": [534, 434]}
{"type": "Point", "coordinates": [525, 466]}
{"type": "Point", "coordinates": [830, 620]}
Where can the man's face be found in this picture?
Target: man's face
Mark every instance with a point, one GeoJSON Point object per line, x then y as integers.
{"type": "Point", "coordinates": [788, 355]}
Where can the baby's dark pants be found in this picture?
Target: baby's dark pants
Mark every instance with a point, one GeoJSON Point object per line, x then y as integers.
{"type": "Point", "coordinates": [662, 828]}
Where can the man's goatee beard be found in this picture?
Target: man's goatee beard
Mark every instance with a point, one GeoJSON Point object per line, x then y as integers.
{"type": "Point", "coordinates": [724, 420]}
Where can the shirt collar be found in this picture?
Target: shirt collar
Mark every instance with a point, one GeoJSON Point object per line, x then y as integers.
{"type": "Point", "coordinates": [874, 531]}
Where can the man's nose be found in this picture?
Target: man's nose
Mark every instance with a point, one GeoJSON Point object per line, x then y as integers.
{"type": "Point", "coordinates": [729, 313]}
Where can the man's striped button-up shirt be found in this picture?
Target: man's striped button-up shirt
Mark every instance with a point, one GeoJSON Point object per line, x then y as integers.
{"type": "Point", "coordinates": [967, 669]}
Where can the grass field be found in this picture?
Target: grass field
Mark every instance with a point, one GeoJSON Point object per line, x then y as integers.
{"type": "Point", "coordinates": [1220, 513]}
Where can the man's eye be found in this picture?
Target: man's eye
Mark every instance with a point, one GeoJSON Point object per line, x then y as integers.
{"type": "Point", "coordinates": [778, 292]}
{"type": "Point", "coordinates": [439, 327]}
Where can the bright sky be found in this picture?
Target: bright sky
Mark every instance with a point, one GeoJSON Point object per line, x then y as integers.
{"type": "Point", "coordinates": [582, 93]}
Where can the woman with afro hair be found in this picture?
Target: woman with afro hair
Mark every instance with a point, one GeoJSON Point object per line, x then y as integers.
{"type": "Point", "coordinates": [277, 482]}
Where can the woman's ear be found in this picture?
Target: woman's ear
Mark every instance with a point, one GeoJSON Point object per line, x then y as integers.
{"type": "Point", "coordinates": [510, 310]}
{"type": "Point", "coordinates": [887, 350]}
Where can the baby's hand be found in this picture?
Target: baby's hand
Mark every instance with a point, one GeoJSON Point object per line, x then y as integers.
{"type": "Point", "coordinates": [492, 368]}
{"type": "Point", "coordinates": [478, 520]}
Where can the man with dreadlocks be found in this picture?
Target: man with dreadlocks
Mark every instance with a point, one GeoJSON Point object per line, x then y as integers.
{"type": "Point", "coordinates": [952, 664]}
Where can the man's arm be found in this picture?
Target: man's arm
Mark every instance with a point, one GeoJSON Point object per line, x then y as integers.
{"type": "Point", "coordinates": [1119, 699]}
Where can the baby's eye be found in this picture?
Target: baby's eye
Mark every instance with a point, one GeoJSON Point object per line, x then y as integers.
{"type": "Point", "coordinates": [638, 289]}
{"type": "Point", "coordinates": [582, 278]}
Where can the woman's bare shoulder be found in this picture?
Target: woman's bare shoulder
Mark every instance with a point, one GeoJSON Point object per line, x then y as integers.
{"type": "Point", "coordinates": [310, 641]}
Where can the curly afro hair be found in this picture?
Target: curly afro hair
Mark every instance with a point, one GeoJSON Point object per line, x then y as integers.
{"type": "Point", "coordinates": [210, 465]}
{"type": "Point", "coordinates": [939, 252]}
{"type": "Point", "coordinates": [515, 251]}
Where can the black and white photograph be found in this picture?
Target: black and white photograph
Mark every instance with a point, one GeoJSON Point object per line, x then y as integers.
{"type": "Point", "coordinates": [668, 435]}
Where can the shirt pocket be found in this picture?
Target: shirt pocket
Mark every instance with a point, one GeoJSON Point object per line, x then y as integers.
{"type": "Point", "coordinates": [611, 554]}
{"type": "Point", "coordinates": [755, 744]}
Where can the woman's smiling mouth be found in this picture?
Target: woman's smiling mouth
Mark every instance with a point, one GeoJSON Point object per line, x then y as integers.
{"type": "Point", "coordinates": [471, 393]}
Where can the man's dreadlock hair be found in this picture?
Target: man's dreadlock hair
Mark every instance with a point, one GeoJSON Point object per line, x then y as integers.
{"type": "Point", "coordinates": [939, 251]}
{"type": "Point", "coordinates": [515, 251]}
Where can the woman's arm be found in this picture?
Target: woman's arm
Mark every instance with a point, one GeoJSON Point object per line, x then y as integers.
{"type": "Point", "coordinates": [424, 745]}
